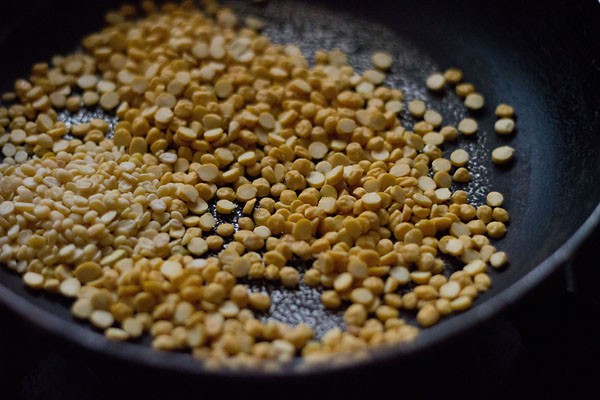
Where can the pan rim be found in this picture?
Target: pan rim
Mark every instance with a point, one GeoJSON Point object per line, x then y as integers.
{"type": "Point", "coordinates": [146, 357]}
{"type": "Point", "coordinates": [82, 337]}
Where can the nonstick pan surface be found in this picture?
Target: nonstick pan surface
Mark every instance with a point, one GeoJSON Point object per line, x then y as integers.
{"type": "Point", "coordinates": [543, 60]}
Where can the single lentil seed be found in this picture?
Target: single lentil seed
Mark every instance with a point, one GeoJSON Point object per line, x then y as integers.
{"type": "Point", "coordinates": [504, 126]}
{"type": "Point", "coordinates": [494, 199]}
{"type": "Point", "coordinates": [82, 308]}
{"type": "Point", "coordinates": [101, 319]}
{"type": "Point", "coordinates": [504, 111]}
{"type": "Point", "coordinates": [502, 154]}
{"type": "Point", "coordinates": [459, 158]}
{"type": "Point", "coordinates": [435, 82]}
{"type": "Point", "coordinates": [109, 100]}
{"type": "Point", "coordinates": [467, 126]}
{"type": "Point", "coordinates": [417, 108]}
{"type": "Point", "coordinates": [499, 259]}
{"type": "Point", "coordinates": [453, 76]}
{"type": "Point", "coordinates": [474, 101]}
{"type": "Point", "coordinates": [33, 280]}
{"type": "Point", "coordinates": [382, 60]}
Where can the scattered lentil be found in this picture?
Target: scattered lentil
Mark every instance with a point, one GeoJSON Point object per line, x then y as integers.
{"type": "Point", "coordinates": [459, 158]}
{"type": "Point", "coordinates": [474, 101]}
{"type": "Point", "coordinates": [435, 82]}
{"type": "Point", "coordinates": [464, 89]}
{"type": "Point", "coordinates": [504, 111]}
{"type": "Point", "coordinates": [499, 259]}
{"type": "Point", "coordinates": [417, 108]}
{"type": "Point", "coordinates": [468, 126]}
{"type": "Point", "coordinates": [494, 199]}
{"type": "Point", "coordinates": [326, 171]}
{"type": "Point", "coordinates": [502, 154]}
{"type": "Point", "coordinates": [382, 60]}
{"type": "Point", "coordinates": [504, 126]}
{"type": "Point", "coordinates": [33, 280]}
{"type": "Point", "coordinates": [453, 76]}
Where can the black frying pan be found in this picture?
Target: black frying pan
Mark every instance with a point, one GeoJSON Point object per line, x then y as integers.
{"type": "Point", "coordinates": [543, 59]}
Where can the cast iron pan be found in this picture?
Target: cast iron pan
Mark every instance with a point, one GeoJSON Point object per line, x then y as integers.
{"type": "Point", "coordinates": [541, 59]}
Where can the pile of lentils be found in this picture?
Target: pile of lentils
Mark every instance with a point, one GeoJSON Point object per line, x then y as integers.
{"type": "Point", "coordinates": [212, 114]}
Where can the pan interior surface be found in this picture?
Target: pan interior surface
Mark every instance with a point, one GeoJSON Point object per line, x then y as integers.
{"type": "Point", "coordinates": [550, 189]}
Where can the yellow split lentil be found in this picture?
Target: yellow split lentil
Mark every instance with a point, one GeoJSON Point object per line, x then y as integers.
{"type": "Point", "coordinates": [211, 115]}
